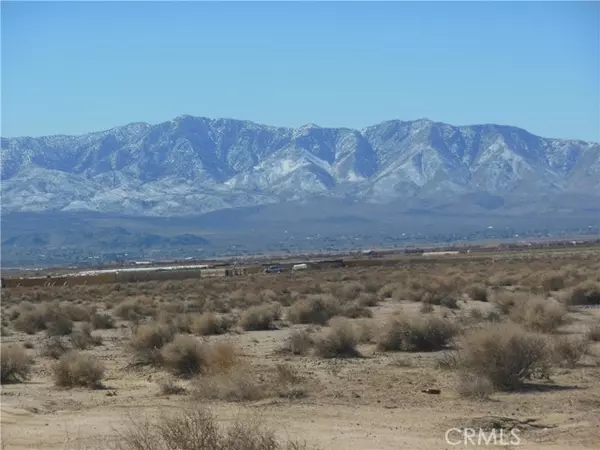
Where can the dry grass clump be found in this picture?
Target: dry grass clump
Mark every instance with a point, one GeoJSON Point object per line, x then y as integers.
{"type": "Point", "coordinates": [314, 309]}
{"type": "Point", "coordinates": [76, 369]}
{"type": "Point", "coordinates": [134, 308]}
{"type": "Point", "coordinates": [538, 314]}
{"type": "Point", "coordinates": [478, 292]}
{"type": "Point", "coordinates": [209, 323]}
{"type": "Point", "coordinates": [475, 386]}
{"type": "Point", "coordinates": [168, 386]}
{"type": "Point", "coordinates": [54, 347]}
{"type": "Point", "coordinates": [338, 341]}
{"type": "Point", "coordinates": [82, 338]}
{"type": "Point", "coordinates": [237, 385]}
{"type": "Point", "coordinates": [102, 321]}
{"type": "Point", "coordinates": [15, 364]}
{"type": "Point", "coordinates": [185, 356]}
{"type": "Point", "coordinates": [553, 280]}
{"type": "Point", "coordinates": [147, 341]}
{"type": "Point", "coordinates": [196, 429]}
{"type": "Point", "coordinates": [505, 355]}
{"type": "Point", "coordinates": [300, 342]}
{"type": "Point", "coordinates": [586, 293]}
{"type": "Point", "coordinates": [50, 317]}
{"type": "Point", "coordinates": [75, 312]}
{"type": "Point", "coordinates": [416, 334]}
{"type": "Point", "coordinates": [568, 350]}
{"type": "Point", "coordinates": [260, 317]}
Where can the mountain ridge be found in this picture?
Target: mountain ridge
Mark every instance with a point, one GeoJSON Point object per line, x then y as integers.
{"type": "Point", "coordinates": [192, 165]}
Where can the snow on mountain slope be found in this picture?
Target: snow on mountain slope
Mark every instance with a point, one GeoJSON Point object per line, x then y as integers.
{"type": "Point", "coordinates": [191, 165]}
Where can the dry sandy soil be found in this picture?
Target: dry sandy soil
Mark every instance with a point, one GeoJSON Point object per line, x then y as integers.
{"type": "Point", "coordinates": [375, 401]}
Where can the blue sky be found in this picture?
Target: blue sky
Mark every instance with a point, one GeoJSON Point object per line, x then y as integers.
{"type": "Point", "coordinates": [71, 68]}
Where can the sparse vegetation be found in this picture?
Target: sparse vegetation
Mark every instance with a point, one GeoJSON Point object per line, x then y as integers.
{"type": "Point", "coordinates": [416, 334]}
{"type": "Point", "coordinates": [505, 355]}
{"type": "Point", "coordinates": [338, 341]}
{"type": "Point", "coordinates": [76, 369]}
{"type": "Point", "coordinates": [15, 364]}
{"type": "Point", "coordinates": [261, 317]}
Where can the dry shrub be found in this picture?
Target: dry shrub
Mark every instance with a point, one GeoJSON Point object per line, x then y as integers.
{"type": "Point", "coordinates": [365, 299]}
{"type": "Point", "coordinates": [223, 357]}
{"type": "Point", "coordinates": [567, 350]}
{"type": "Point", "coordinates": [102, 321]}
{"type": "Point", "coordinates": [365, 330]}
{"type": "Point", "coordinates": [196, 429]}
{"type": "Point", "coordinates": [261, 317]}
{"type": "Point", "coordinates": [315, 309]}
{"type": "Point", "coordinates": [15, 364]}
{"type": "Point", "coordinates": [82, 338]}
{"type": "Point", "coordinates": [75, 312]}
{"type": "Point", "coordinates": [339, 341]}
{"type": "Point", "coordinates": [134, 308]}
{"type": "Point", "coordinates": [237, 385]}
{"type": "Point", "coordinates": [185, 356]}
{"type": "Point", "coordinates": [43, 317]}
{"type": "Point", "coordinates": [350, 290]}
{"type": "Point", "coordinates": [76, 369]}
{"type": "Point", "coordinates": [594, 333]}
{"type": "Point", "coordinates": [147, 341]}
{"type": "Point", "coordinates": [538, 314]}
{"type": "Point", "coordinates": [553, 281]}
{"type": "Point", "coordinates": [416, 334]}
{"type": "Point", "coordinates": [478, 292]}
{"type": "Point", "coordinates": [355, 311]}
{"type": "Point", "coordinates": [209, 323]}
{"type": "Point", "coordinates": [168, 386]}
{"type": "Point", "coordinates": [475, 386]}
{"type": "Point", "coordinates": [54, 347]}
{"type": "Point", "coordinates": [504, 354]}
{"type": "Point", "coordinates": [57, 323]}
{"type": "Point", "coordinates": [586, 293]}
{"type": "Point", "coordinates": [300, 342]}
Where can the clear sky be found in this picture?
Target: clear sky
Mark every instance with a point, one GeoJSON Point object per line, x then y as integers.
{"type": "Point", "coordinates": [71, 68]}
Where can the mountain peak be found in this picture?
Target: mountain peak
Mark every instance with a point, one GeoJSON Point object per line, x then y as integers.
{"type": "Point", "coordinates": [204, 164]}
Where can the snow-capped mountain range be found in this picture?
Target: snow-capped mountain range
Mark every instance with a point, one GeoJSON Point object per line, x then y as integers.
{"type": "Point", "coordinates": [192, 165]}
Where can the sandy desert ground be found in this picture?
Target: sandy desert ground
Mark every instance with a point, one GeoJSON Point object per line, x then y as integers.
{"type": "Point", "coordinates": [361, 358]}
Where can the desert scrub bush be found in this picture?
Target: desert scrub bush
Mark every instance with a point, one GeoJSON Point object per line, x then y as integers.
{"type": "Point", "coordinates": [57, 323]}
{"type": "Point", "coordinates": [416, 334]}
{"type": "Point", "coordinates": [75, 312]}
{"type": "Point", "coordinates": [54, 347]}
{"type": "Point", "coordinates": [260, 317]}
{"type": "Point", "coordinates": [537, 313]}
{"type": "Point", "coordinates": [197, 429]}
{"type": "Point", "coordinates": [568, 350]}
{"type": "Point", "coordinates": [355, 311]}
{"type": "Point", "coordinates": [82, 338]}
{"type": "Point", "coordinates": [15, 364]}
{"type": "Point", "coordinates": [30, 319]}
{"type": "Point", "coordinates": [314, 309]}
{"type": "Point", "coordinates": [168, 386]}
{"type": "Point", "coordinates": [209, 323]}
{"type": "Point", "coordinates": [76, 369]}
{"type": "Point", "coordinates": [478, 292]}
{"type": "Point", "coordinates": [474, 386]}
{"type": "Point", "coordinates": [102, 321]}
{"type": "Point", "coordinates": [552, 281]}
{"type": "Point", "coordinates": [185, 356]}
{"type": "Point", "coordinates": [367, 299]}
{"type": "Point", "coordinates": [586, 293]}
{"type": "Point", "coordinates": [237, 385]}
{"type": "Point", "coordinates": [338, 341]}
{"type": "Point", "coordinates": [134, 308]}
{"type": "Point", "coordinates": [504, 354]}
{"type": "Point", "coordinates": [300, 342]}
{"type": "Point", "coordinates": [147, 341]}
